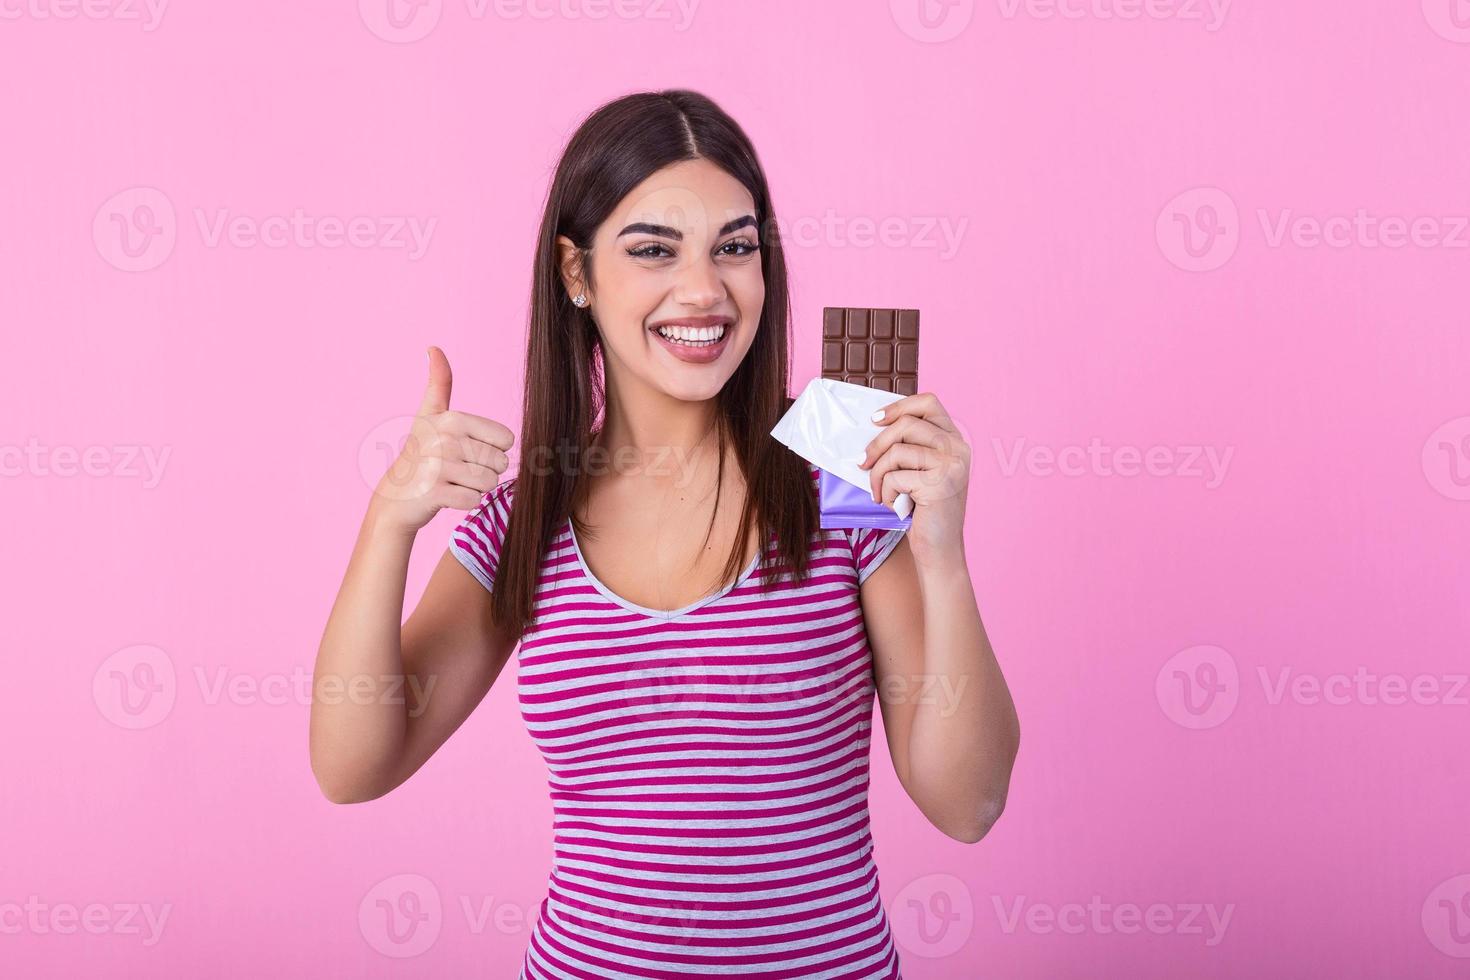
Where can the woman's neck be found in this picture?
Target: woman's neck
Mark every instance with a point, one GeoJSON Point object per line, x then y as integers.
{"type": "Point", "coordinates": [665, 434]}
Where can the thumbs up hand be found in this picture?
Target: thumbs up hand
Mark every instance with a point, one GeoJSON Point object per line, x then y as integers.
{"type": "Point", "coordinates": [450, 458]}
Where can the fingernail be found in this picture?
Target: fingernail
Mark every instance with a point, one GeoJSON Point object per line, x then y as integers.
{"type": "Point", "coordinates": [863, 459]}
{"type": "Point", "coordinates": [878, 415]}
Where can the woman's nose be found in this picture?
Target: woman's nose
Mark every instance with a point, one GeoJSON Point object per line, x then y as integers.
{"type": "Point", "coordinates": [699, 284]}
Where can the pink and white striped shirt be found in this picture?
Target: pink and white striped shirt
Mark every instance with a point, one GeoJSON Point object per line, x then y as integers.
{"type": "Point", "coordinates": [708, 768]}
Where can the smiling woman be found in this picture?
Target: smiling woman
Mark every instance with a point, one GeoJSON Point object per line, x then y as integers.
{"type": "Point", "coordinates": [695, 662]}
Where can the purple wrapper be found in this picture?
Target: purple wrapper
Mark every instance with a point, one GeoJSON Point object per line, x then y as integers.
{"type": "Point", "coordinates": [844, 505]}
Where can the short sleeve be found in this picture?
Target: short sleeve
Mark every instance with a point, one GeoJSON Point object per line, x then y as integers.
{"type": "Point", "coordinates": [870, 546]}
{"type": "Point", "coordinates": [476, 540]}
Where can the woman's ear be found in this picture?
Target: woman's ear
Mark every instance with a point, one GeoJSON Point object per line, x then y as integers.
{"type": "Point", "coordinates": [569, 259]}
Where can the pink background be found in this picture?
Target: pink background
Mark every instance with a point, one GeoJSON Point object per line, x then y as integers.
{"type": "Point", "coordinates": [1067, 155]}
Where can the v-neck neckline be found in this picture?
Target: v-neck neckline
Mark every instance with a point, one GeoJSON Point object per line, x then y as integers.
{"type": "Point", "coordinates": [618, 600]}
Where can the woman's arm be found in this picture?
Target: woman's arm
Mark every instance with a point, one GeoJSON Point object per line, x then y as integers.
{"type": "Point", "coordinates": [386, 697]}
{"type": "Point", "coordinates": [947, 712]}
{"type": "Point", "coordinates": [386, 694]}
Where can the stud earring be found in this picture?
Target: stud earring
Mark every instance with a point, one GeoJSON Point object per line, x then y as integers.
{"type": "Point", "coordinates": [579, 300]}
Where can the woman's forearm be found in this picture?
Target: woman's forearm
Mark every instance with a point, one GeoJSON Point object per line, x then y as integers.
{"type": "Point", "coordinates": [965, 734]}
{"type": "Point", "coordinates": [359, 713]}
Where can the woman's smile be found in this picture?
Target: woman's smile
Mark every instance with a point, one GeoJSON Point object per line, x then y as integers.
{"type": "Point", "coordinates": [694, 339]}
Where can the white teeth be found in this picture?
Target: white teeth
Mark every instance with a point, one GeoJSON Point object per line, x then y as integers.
{"type": "Point", "coordinates": [693, 335]}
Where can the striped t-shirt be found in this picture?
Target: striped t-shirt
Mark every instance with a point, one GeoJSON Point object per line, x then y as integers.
{"type": "Point", "coordinates": [708, 768]}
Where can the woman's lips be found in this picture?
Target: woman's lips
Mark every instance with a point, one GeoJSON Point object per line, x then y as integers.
{"type": "Point", "coordinates": [695, 355]}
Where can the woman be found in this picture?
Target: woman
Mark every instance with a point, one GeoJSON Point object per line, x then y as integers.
{"type": "Point", "coordinates": [698, 658]}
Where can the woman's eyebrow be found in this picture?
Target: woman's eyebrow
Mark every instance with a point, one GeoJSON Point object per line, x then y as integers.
{"type": "Point", "coordinates": [664, 231]}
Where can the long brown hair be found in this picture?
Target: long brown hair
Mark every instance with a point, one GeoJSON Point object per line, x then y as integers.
{"type": "Point", "coordinates": [613, 151]}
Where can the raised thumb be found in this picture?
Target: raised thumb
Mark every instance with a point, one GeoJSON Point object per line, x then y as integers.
{"type": "Point", "coordinates": [436, 395]}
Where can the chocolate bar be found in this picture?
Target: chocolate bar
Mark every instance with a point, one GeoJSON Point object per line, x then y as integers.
{"type": "Point", "coordinates": [878, 348]}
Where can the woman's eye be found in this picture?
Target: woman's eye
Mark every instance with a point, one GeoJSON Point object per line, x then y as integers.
{"type": "Point", "coordinates": [737, 247]}
{"type": "Point", "coordinates": [650, 251]}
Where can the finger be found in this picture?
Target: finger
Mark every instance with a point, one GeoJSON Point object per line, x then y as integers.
{"type": "Point", "coordinates": [462, 498]}
{"type": "Point", "coordinates": [471, 450]}
{"type": "Point", "coordinates": [436, 393]}
{"type": "Point", "coordinates": [909, 428]}
{"type": "Point", "coordinates": [896, 482]}
{"type": "Point", "coordinates": [904, 456]}
{"type": "Point", "coordinates": [475, 427]}
{"type": "Point", "coordinates": [925, 405]}
{"type": "Point", "coordinates": [472, 476]}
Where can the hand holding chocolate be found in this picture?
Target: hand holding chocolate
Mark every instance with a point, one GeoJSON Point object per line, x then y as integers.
{"type": "Point", "coordinates": [870, 358]}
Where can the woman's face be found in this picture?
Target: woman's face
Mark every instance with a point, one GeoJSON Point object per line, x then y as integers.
{"type": "Point", "coordinates": [679, 290]}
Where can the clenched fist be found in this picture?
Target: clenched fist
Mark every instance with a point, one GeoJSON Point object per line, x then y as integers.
{"type": "Point", "coordinates": [450, 459]}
